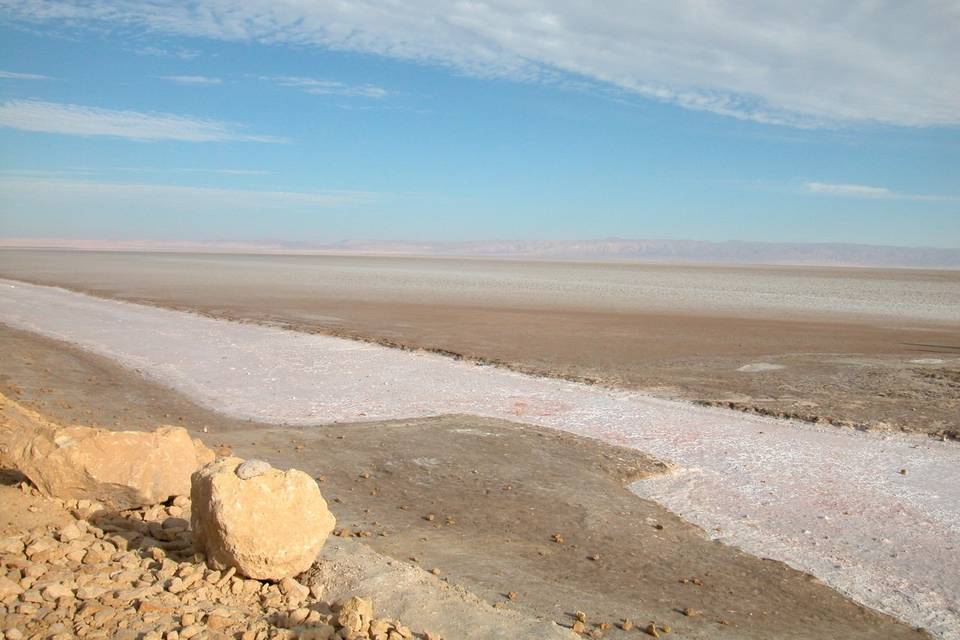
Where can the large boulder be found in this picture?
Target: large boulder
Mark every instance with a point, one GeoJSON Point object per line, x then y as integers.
{"type": "Point", "coordinates": [268, 524]}
{"type": "Point", "coordinates": [124, 469]}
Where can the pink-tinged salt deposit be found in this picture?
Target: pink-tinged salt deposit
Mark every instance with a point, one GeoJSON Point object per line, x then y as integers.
{"type": "Point", "coordinates": [826, 500]}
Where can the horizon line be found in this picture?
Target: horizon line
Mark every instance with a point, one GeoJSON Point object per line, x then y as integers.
{"type": "Point", "coordinates": [600, 250]}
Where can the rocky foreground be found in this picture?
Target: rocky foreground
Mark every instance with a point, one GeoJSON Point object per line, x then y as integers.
{"type": "Point", "coordinates": [136, 574]}
{"type": "Point", "coordinates": [151, 535]}
{"type": "Point", "coordinates": [135, 557]}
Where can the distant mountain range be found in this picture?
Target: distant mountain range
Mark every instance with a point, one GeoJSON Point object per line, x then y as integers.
{"type": "Point", "coordinates": [675, 251]}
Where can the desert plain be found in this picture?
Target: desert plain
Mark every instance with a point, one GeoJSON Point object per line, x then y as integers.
{"type": "Point", "coordinates": [480, 498]}
{"type": "Point", "coordinates": [860, 347]}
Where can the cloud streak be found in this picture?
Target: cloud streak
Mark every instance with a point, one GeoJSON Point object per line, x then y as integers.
{"type": "Point", "coordinates": [178, 53]}
{"type": "Point", "coordinates": [78, 120]}
{"type": "Point", "coordinates": [26, 192]}
{"type": "Point", "coordinates": [804, 64]}
{"type": "Point", "coordinates": [867, 191]}
{"type": "Point", "coordinates": [195, 80]}
{"type": "Point", "coordinates": [328, 87]}
{"type": "Point", "coordinates": [10, 75]}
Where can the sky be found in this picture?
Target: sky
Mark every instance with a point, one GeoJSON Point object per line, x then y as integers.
{"type": "Point", "coordinates": [230, 120]}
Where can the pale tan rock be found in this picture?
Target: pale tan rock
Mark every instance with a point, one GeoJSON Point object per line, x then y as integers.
{"type": "Point", "coordinates": [55, 591]}
{"type": "Point", "coordinates": [299, 615]}
{"type": "Point", "coordinates": [9, 588]}
{"type": "Point", "coordinates": [217, 622]}
{"type": "Point", "coordinates": [190, 630]}
{"type": "Point", "coordinates": [76, 555]}
{"type": "Point", "coordinates": [294, 592]}
{"type": "Point", "coordinates": [379, 627]}
{"type": "Point", "coordinates": [90, 592]}
{"type": "Point", "coordinates": [95, 556]}
{"type": "Point", "coordinates": [355, 614]}
{"type": "Point", "coordinates": [269, 527]}
{"type": "Point", "coordinates": [123, 468]}
{"type": "Point", "coordinates": [11, 545]}
{"type": "Point", "coordinates": [227, 577]}
{"type": "Point", "coordinates": [69, 532]}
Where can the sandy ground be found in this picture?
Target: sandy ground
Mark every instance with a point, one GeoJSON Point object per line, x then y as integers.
{"type": "Point", "coordinates": [845, 342]}
{"type": "Point", "coordinates": [771, 487]}
{"type": "Point", "coordinates": [506, 488]}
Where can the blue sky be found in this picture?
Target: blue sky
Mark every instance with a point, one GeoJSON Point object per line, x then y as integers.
{"type": "Point", "coordinates": [221, 120]}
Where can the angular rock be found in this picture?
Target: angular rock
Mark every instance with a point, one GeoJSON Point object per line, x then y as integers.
{"type": "Point", "coordinates": [269, 527]}
{"type": "Point", "coordinates": [56, 591]}
{"type": "Point", "coordinates": [123, 468]}
{"type": "Point", "coordinates": [9, 588]}
{"type": "Point", "coordinates": [11, 545]}
{"type": "Point", "coordinates": [69, 532]}
{"type": "Point", "coordinates": [355, 614]}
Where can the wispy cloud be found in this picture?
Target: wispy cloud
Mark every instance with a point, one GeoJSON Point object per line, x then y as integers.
{"type": "Point", "coordinates": [24, 192]}
{"type": "Point", "coordinates": [854, 190]}
{"type": "Point", "coordinates": [328, 87]}
{"type": "Point", "coordinates": [226, 172]}
{"type": "Point", "coordinates": [79, 120]}
{"type": "Point", "coordinates": [178, 53]}
{"type": "Point", "coordinates": [198, 80]}
{"type": "Point", "coordinates": [10, 75]}
{"type": "Point", "coordinates": [867, 191]}
{"type": "Point", "coordinates": [239, 172]}
{"type": "Point", "coordinates": [101, 171]}
{"type": "Point", "coordinates": [800, 64]}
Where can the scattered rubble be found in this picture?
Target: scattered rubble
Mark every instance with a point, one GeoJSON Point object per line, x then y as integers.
{"type": "Point", "coordinates": [135, 574]}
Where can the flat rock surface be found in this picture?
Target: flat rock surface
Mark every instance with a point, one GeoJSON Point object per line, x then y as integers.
{"type": "Point", "coordinates": [406, 592]}
{"type": "Point", "coordinates": [829, 501]}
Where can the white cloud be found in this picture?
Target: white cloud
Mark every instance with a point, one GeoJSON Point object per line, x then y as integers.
{"type": "Point", "coordinates": [178, 53]}
{"type": "Point", "coordinates": [72, 119]}
{"type": "Point", "coordinates": [227, 172]}
{"type": "Point", "coordinates": [328, 87]}
{"type": "Point", "coordinates": [199, 80]}
{"type": "Point", "coordinates": [799, 63]}
{"type": "Point", "coordinates": [10, 75]}
{"type": "Point", "coordinates": [866, 191]}
{"type": "Point", "coordinates": [29, 193]}
{"type": "Point", "coordinates": [855, 190]}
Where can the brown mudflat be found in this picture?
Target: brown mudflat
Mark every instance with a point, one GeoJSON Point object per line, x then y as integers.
{"type": "Point", "coordinates": [480, 501]}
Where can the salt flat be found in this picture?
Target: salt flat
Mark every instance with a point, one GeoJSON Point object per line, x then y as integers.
{"type": "Point", "coordinates": [891, 295]}
{"type": "Point", "coordinates": [826, 500]}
